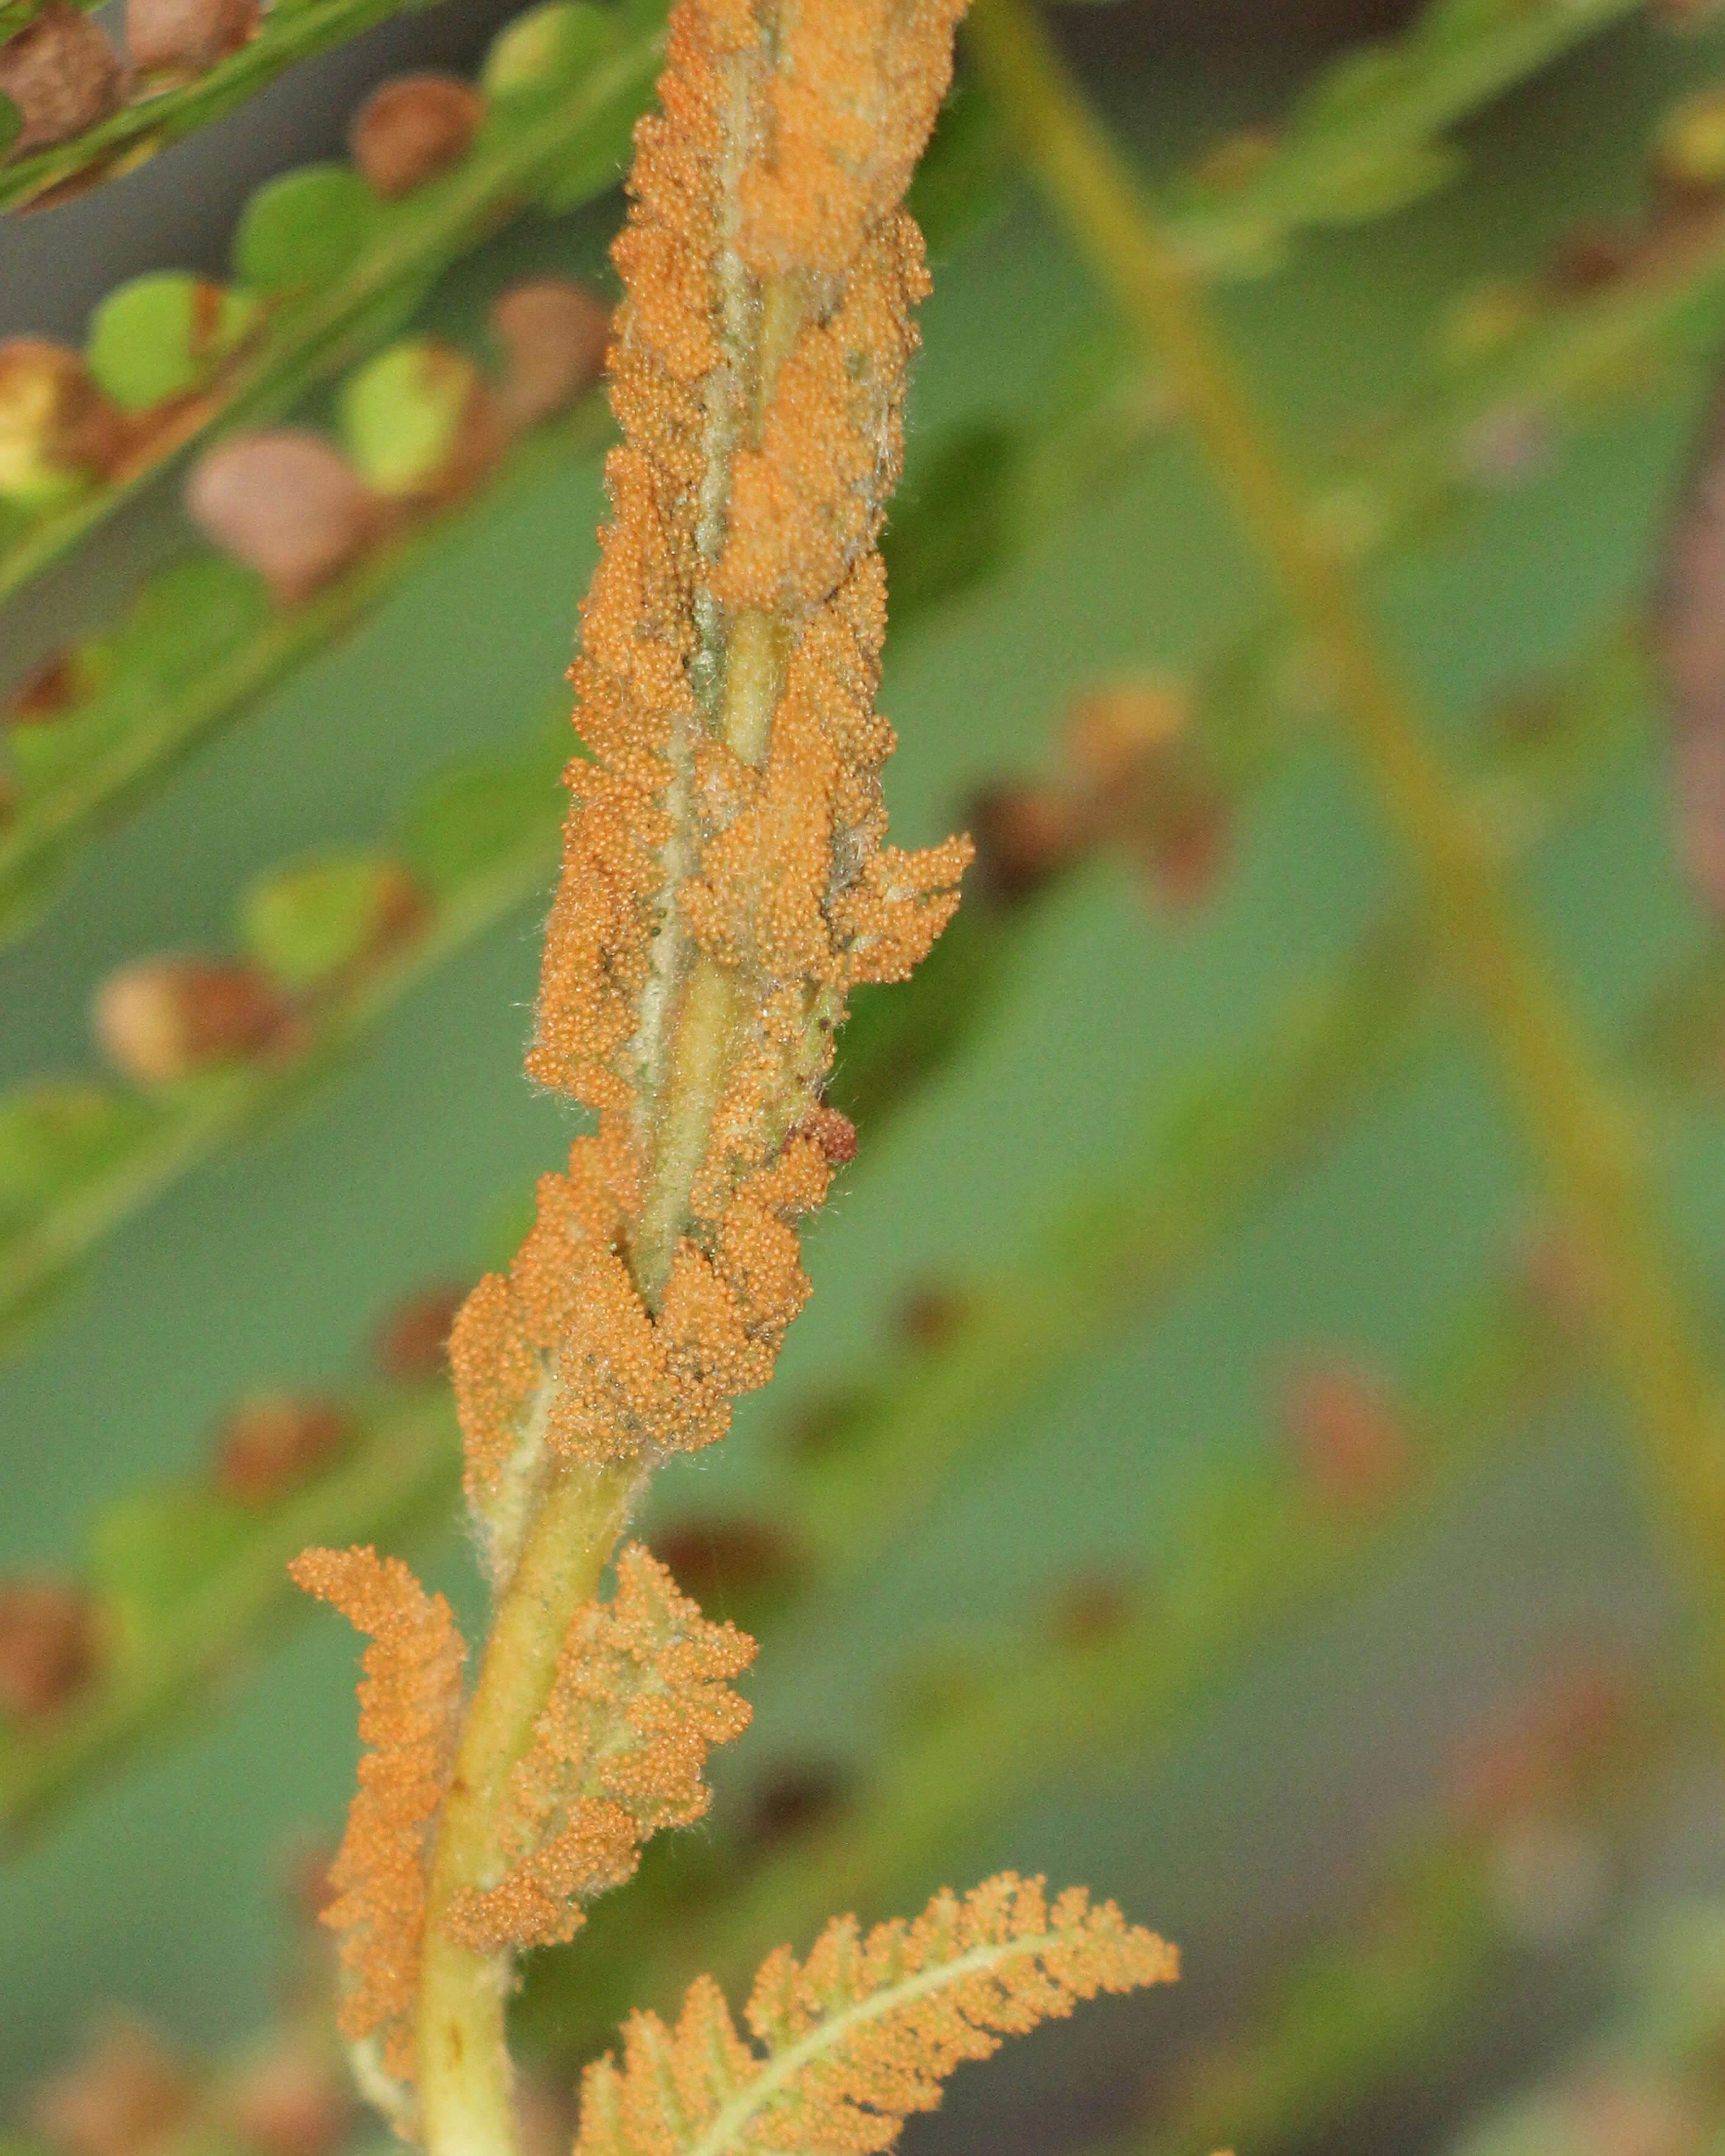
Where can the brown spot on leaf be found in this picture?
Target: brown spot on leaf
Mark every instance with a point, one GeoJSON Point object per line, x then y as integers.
{"type": "Point", "coordinates": [554, 333]}
{"type": "Point", "coordinates": [1537, 1752]}
{"type": "Point", "coordinates": [271, 1444]}
{"type": "Point", "coordinates": [286, 505]}
{"type": "Point", "coordinates": [1346, 1432]}
{"type": "Point", "coordinates": [55, 424]}
{"type": "Point", "coordinates": [62, 73]}
{"type": "Point", "coordinates": [727, 1559]}
{"type": "Point", "coordinates": [48, 1645]}
{"type": "Point", "coordinates": [793, 1801]}
{"type": "Point", "coordinates": [125, 2095]}
{"type": "Point", "coordinates": [1025, 833]}
{"type": "Point", "coordinates": [294, 2099]}
{"type": "Point", "coordinates": [1593, 255]}
{"type": "Point", "coordinates": [187, 35]}
{"type": "Point", "coordinates": [409, 130]}
{"type": "Point", "coordinates": [160, 1020]}
{"type": "Point", "coordinates": [930, 1314]}
{"type": "Point", "coordinates": [413, 1340]}
{"type": "Point", "coordinates": [46, 691]}
{"type": "Point", "coordinates": [1091, 1608]}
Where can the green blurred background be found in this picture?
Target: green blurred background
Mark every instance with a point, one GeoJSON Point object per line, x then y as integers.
{"type": "Point", "coordinates": [1265, 1811]}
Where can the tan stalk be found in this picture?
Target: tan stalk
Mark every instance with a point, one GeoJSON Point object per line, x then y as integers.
{"type": "Point", "coordinates": [1576, 1126]}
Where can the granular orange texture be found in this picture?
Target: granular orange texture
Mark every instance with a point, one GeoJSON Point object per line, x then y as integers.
{"type": "Point", "coordinates": [508, 1328]}
{"type": "Point", "coordinates": [727, 811]}
{"type": "Point", "coordinates": [875, 2025]}
{"type": "Point", "coordinates": [409, 1709]}
{"type": "Point", "coordinates": [639, 1698]}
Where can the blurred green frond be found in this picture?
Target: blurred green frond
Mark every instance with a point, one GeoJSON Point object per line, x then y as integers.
{"type": "Point", "coordinates": [555, 140]}
{"type": "Point", "coordinates": [184, 1576]}
{"type": "Point", "coordinates": [1366, 137]}
{"type": "Point", "coordinates": [199, 644]}
{"type": "Point", "coordinates": [1522, 366]}
{"type": "Point", "coordinates": [77, 1158]}
{"type": "Point", "coordinates": [1383, 1996]}
{"type": "Point", "coordinates": [154, 115]}
{"type": "Point", "coordinates": [885, 1449]}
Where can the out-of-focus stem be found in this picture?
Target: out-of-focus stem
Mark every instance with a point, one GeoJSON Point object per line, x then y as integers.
{"type": "Point", "coordinates": [1577, 1127]}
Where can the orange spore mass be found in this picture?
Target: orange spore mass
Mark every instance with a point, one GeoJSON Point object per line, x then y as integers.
{"type": "Point", "coordinates": [749, 490]}
{"type": "Point", "coordinates": [410, 1710]}
{"type": "Point", "coordinates": [639, 1698]}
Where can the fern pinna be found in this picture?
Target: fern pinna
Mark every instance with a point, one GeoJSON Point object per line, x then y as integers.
{"type": "Point", "coordinates": [725, 883]}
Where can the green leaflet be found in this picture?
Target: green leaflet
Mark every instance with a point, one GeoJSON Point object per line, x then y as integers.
{"type": "Point", "coordinates": [401, 414]}
{"type": "Point", "coordinates": [1353, 194]}
{"type": "Point", "coordinates": [1365, 138]}
{"type": "Point", "coordinates": [54, 1134]}
{"type": "Point", "coordinates": [149, 1552]}
{"type": "Point", "coordinates": [165, 335]}
{"type": "Point", "coordinates": [305, 230]}
{"type": "Point", "coordinates": [307, 925]}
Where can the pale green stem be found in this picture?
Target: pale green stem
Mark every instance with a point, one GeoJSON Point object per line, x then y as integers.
{"type": "Point", "coordinates": [464, 2079]}
{"type": "Point", "coordinates": [1577, 1127]}
{"type": "Point", "coordinates": [715, 1008]}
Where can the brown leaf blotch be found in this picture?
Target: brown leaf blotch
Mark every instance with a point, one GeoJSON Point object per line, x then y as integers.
{"type": "Point", "coordinates": [409, 130]}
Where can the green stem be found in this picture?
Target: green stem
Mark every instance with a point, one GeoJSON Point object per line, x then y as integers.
{"type": "Point", "coordinates": [1575, 1124]}
{"type": "Point", "coordinates": [463, 2078]}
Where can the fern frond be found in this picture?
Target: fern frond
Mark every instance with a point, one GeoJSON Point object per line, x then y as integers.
{"type": "Point", "coordinates": [156, 116]}
{"type": "Point", "coordinates": [724, 879]}
{"type": "Point", "coordinates": [410, 1710]}
{"type": "Point", "coordinates": [554, 146]}
{"type": "Point", "coordinates": [1255, 1558]}
{"type": "Point", "coordinates": [860, 2036]}
{"type": "Point", "coordinates": [197, 647]}
{"type": "Point", "coordinates": [1367, 136]}
{"type": "Point", "coordinates": [638, 1698]}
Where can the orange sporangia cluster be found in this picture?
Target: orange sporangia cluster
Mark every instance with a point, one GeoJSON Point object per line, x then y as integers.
{"type": "Point", "coordinates": [877, 2024]}
{"type": "Point", "coordinates": [726, 883]}
{"type": "Point", "coordinates": [409, 1709]}
{"type": "Point", "coordinates": [758, 372]}
{"type": "Point", "coordinates": [639, 1698]}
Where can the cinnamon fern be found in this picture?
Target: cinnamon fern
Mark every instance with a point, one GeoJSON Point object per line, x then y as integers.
{"type": "Point", "coordinates": [726, 885]}
{"type": "Point", "coordinates": [1247, 1026]}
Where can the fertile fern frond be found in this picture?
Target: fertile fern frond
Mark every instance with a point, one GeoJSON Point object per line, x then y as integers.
{"type": "Point", "coordinates": [638, 1698]}
{"type": "Point", "coordinates": [409, 1712]}
{"type": "Point", "coordinates": [863, 2033]}
{"type": "Point", "coordinates": [617, 1752]}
